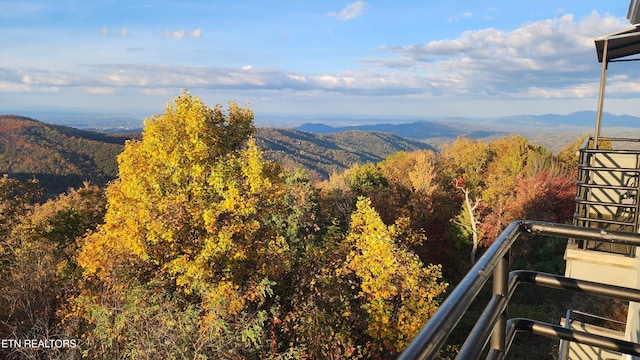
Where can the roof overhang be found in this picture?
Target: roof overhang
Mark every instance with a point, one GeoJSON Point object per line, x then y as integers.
{"type": "Point", "coordinates": [625, 42]}
{"type": "Point", "coordinates": [620, 44]}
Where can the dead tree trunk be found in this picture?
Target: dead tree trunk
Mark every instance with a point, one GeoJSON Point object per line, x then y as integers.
{"type": "Point", "coordinates": [470, 207]}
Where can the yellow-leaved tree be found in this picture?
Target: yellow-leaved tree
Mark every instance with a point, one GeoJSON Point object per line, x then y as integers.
{"type": "Point", "coordinates": [397, 292]}
{"type": "Point", "coordinates": [194, 242]}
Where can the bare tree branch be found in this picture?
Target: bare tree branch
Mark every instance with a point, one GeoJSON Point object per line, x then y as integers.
{"type": "Point", "coordinates": [470, 208]}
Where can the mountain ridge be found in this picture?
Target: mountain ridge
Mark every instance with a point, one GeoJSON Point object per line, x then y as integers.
{"type": "Point", "coordinates": [66, 156]}
{"type": "Point", "coordinates": [324, 154]}
{"type": "Point", "coordinates": [62, 157]}
{"type": "Point", "coordinates": [451, 128]}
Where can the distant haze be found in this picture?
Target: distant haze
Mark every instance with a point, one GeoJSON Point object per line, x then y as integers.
{"type": "Point", "coordinates": [410, 127]}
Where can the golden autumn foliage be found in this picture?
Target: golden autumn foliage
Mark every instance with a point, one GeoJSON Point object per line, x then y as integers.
{"type": "Point", "coordinates": [201, 231]}
{"type": "Point", "coordinates": [201, 248]}
{"type": "Point", "coordinates": [467, 159]}
{"type": "Point", "coordinates": [397, 292]}
{"type": "Point", "coordinates": [195, 210]}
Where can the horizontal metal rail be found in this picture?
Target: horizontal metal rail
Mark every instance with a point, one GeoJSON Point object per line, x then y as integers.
{"type": "Point", "coordinates": [605, 204]}
{"type": "Point", "coordinates": [607, 168]}
{"type": "Point", "coordinates": [582, 184]}
{"type": "Point", "coordinates": [604, 221]}
{"type": "Point", "coordinates": [479, 335]}
{"type": "Point", "coordinates": [559, 332]}
{"type": "Point", "coordinates": [592, 316]}
{"type": "Point", "coordinates": [585, 145]}
{"type": "Point", "coordinates": [609, 151]}
{"type": "Point", "coordinates": [563, 353]}
{"type": "Point", "coordinates": [492, 264]}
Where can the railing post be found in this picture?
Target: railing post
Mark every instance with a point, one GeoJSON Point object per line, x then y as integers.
{"type": "Point", "coordinates": [563, 354]}
{"type": "Point", "coordinates": [603, 81]}
{"type": "Point", "coordinates": [636, 200]}
{"type": "Point", "coordinates": [500, 289]}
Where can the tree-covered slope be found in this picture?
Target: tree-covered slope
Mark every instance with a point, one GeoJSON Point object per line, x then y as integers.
{"type": "Point", "coordinates": [324, 154]}
{"type": "Point", "coordinates": [62, 157]}
{"type": "Point", "coordinates": [58, 156]}
{"type": "Point", "coordinates": [413, 130]}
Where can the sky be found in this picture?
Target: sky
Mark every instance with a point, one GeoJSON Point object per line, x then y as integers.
{"type": "Point", "coordinates": [312, 59]}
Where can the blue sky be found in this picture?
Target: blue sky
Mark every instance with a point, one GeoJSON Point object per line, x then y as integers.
{"type": "Point", "coordinates": [312, 59]}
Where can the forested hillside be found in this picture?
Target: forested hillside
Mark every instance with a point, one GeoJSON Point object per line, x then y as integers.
{"type": "Point", "coordinates": [202, 247]}
{"type": "Point", "coordinates": [414, 130]}
{"type": "Point", "coordinates": [62, 157]}
{"type": "Point", "coordinates": [323, 155]}
{"type": "Point", "coordinates": [59, 156]}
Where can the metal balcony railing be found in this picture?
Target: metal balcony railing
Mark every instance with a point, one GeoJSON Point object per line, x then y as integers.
{"type": "Point", "coordinates": [607, 191]}
{"type": "Point", "coordinates": [571, 320]}
{"type": "Point", "coordinates": [492, 326]}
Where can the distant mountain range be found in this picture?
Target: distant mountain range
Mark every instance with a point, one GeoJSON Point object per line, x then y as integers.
{"type": "Point", "coordinates": [580, 118]}
{"type": "Point", "coordinates": [452, 128]}
{"type": "Point", "coordinates": [62, 157]}
{"type": "Point", "coordinates": [415, 130]}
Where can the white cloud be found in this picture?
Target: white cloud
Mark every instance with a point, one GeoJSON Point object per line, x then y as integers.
{"type": "Point", "coordinates": [545, 59]}
{"type": "Point", "coordinates": [195, 34]}
{"type": "Point", "coordinates": [180, 34]}
{"type": "Point", "coordinates": [98, 90]}
{"type": "Point", "coordinates": [466, 14]}
{"type": "Point", "coordinates": [300, 78]}
{"type": "Point", "coordinates": [43, 77]}
{"type": "Point", "coordinates": [49, 89]}
{"type": "Point", "coordinates": [151, 76]}
{"type": "Point", "coordinates": [122, 32]}
{"type": "Point", "coordinates": [8, 86]}
{"type": "Point", "coordinates": [556, 55]}
{"type": "Point", "coordinates": [157, 91]}
{"type": "Point", "coordinates": [576, 92]}
{"type": "Point", "coordinates": [350, 11]}
{"type": "Point", "coordinates": [624, 86]}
